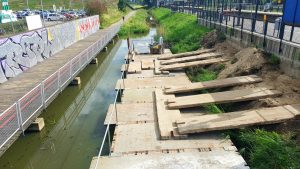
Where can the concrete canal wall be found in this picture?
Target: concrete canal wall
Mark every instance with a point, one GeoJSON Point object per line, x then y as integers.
{"type": "Point", "coordinates": [20, 52]}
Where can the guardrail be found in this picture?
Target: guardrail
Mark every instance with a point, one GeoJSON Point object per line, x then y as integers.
{"type": "Point", "coordinates": [15, 119]}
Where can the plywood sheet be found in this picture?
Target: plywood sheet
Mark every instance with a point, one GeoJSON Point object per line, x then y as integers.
{"type": "Point", "coordinates": [179, 55]}
{"type": "Point", "coordinates": [191, 64]}
{"type": "Point", "coordinates": [236, 119]}
{"type": "Point", "coordinates": [219, 83]}
{"type": "Point", "coordinates": [222, 97]}
{"type": "Point", "coordinates": [191, 58]}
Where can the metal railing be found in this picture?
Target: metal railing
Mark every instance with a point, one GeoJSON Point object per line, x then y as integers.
{"type": "Point", "coordinates": [15, 119]}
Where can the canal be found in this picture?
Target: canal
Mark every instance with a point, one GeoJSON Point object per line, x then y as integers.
{"type": "Point", "coordinates": [74, 121]}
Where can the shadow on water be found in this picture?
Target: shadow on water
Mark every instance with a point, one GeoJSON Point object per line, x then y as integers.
{"type": "Point", "coordinates": [74, 120]}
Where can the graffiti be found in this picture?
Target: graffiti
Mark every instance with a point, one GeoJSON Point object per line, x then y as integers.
{"type": "Point", "coordinates": [20, 52]}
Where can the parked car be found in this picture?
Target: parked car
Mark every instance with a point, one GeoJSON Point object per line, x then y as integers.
{"type": "Point", "coordinates": [268, 7]}
{"type": "Point", "coordinates": [55, 17]}
{"type": "Point", "coordinates": [69, 16]}
{"type": "Point", "coordinates": [73, 14]}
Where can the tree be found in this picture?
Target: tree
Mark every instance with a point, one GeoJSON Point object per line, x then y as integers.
{"type": "Point", "coordinates": [122, 5]}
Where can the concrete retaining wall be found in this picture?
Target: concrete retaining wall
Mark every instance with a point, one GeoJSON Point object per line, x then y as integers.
{"type": "Point", "coordinates": [20, 52]}
{"type": "Point", "coordinates": [289, 56]}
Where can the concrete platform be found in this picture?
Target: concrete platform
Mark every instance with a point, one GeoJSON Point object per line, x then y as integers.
{"type": "Point", "coordinates": [144, 138]}
{"type": "Point", "coordinates": [185, 160]}
{"type": "Point", "coordinates": [155, 82]}
{"type": "Point", "coordinates": [128, 113]}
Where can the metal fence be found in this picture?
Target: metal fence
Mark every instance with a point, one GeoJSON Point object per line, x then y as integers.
{"type": "Point", "coordinates": [250, 16]}
{"type": "Point", "coordinates": [15, 119]}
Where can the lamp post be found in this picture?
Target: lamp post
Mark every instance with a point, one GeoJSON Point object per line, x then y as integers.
{"type": "Point", "coordinates": [43, 13]}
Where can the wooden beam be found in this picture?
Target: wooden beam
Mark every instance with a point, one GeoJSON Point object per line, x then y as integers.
{"type": "Point", "coordinates": [219, 83]}
{"type": "Point", "coordinates": [222, 97]}
{"type": "Point", "coordinates": [191, 58]}
{"type": "Point", "coordinates": [179, 55]}
{"type": "Point", "coordinates": [135, 67]}
{"type": "Point", "coordinates": [191, 64]}
{"type": "Point", "coordinates": [239, 119]}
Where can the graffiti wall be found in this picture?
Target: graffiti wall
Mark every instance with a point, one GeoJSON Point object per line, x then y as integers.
{"type": "Point", "coordinates": [20, 52]}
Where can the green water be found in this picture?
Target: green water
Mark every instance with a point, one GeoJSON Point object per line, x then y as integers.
{"type": "Point", "coordinates": [74, 120]}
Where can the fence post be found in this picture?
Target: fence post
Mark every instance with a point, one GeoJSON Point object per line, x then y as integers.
{"type": "Point", "coordinates": [20, 116]}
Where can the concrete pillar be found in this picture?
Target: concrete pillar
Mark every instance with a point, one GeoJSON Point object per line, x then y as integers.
{"type": "Point", "coordinates": [76, 81]}
{"type": "Point", "coordinates": [94, 61]}
{"type": "Point", "coordinates": [37, 125]}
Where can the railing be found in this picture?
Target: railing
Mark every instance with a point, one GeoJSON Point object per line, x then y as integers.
{"type": "Point", "coordinates": [15, 119]}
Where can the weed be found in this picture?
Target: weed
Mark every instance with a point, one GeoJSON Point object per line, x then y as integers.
{"type": "Point", "coordinates": [263, 149]}
{"type": "Point", "coordinates": [201, 75]}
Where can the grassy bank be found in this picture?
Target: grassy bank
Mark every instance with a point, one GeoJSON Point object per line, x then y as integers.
{"type": "Point", "coordinates": [112, 16]}
{"type": "Point", "coordinates": [263, 149]}
{"type": "Point", "coordinates": [180, 31]}
{"type": "Point", "coordinates": [136, 26]}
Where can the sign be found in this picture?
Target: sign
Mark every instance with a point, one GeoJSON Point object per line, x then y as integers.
{"type": "Point", "coordinates": [34, 22]}
{"type": "Point", "coordinates": [291, 13]}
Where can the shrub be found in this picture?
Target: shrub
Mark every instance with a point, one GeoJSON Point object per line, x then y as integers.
{"type": "Point", "coordinates": [95, 7]}
{"type": "Point", "coordinates": [122, 5]}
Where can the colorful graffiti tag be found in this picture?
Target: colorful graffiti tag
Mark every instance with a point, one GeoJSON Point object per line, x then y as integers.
{"type": "Point", "coordinates": [23, 51]}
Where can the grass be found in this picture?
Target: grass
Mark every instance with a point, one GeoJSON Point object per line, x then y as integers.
{"type": "Point", "coordinates": [112, 16]}
{"type": "Point", "coordinates": [263, 149]}
{"type": "Point", "coordinates": [135, 6]}
{"type": "Point", "coordinates": [47, 4]}
{"type": "Point", "coordinates": [179, 30]}
{"type": "Point", "coordinates": [136, 26]}
{"type": "Point", "coordinates": [202, 75]}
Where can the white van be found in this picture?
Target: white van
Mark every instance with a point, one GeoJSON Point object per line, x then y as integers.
{"type": "Point", "coordinates": [55, 17]}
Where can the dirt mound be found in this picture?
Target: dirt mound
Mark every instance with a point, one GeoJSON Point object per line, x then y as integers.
{"type": "Point", "coordinates": [212, 38]}
{"type": "Point", "coordinates": [245, 62]}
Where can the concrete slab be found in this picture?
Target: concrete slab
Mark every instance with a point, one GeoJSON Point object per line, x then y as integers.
{"type": "Point", "coordinates": [185, 160]}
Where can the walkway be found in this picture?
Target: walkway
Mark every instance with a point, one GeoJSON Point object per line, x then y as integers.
{"type": "Point", "coordinates": [23, 98]}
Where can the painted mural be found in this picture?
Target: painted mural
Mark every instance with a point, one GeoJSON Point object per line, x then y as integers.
{"type": "Point", "coordinates": [20, 52]}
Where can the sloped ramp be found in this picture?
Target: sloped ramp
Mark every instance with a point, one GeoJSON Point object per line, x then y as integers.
{"type": "Point", "coordinates": [221, 97]}
{"type": "Point", "coordinates": [240, 119]}
{"type": "Point", "coordinates": [186, 54]}
{"type": "Point", "coordinates": [191, 64]}
{"type": "Point", "coordinates": [185, 160]}
{"type": "Point", "coordinates": [219, 83]}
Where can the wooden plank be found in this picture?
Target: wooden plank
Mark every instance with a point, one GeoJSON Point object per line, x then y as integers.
{"type": "Point", "coordinates": [147, 64]}
{"type": "Point", "coordinates": [236, 119]}
{"type": "Point", "coordinates": [141, 96]}
{"type": "Point", "coordinates": [222, 97]}
{"type": "Point", "coordinates": [155, 82]}
{"type": "Point", "coordinates": [124, 67]}
{"type": "Point", "coordinates": [186, 160]}
{"type": "Point", "coordinates": [157, 70]}
{"type": "Point", "coordinates": [165, 117]}
{"type": "Point", "coordinates": [191, 58]}
{"type": "Point", "coordinates": [219, 83]}
{"type": "Point", "coordinates": [179, 55]}
{"type": "Point", "coordinates": [191, 64]}
{"type": "Point", "coordinates": [135, 67]}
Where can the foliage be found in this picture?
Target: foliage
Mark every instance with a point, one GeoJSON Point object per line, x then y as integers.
{"type": "Point", "coordinates": [263, 149]}
{"type": "Point", "coordinates": [137, 25]}
{"type": "Point", "coordinates": [200, 75]}
{"type": "Point", "coordinates": [112, 16]}
{"type": "Point", "coordinates": [14, 27]}
{"type": "Point", "coordinates": [95, 7]}
{"type": "Point", "coordinates": [180, 30]}
{"type": "Point", "coordinates": [122, 5]}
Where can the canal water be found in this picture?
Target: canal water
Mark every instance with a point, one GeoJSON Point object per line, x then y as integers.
{"type": "Point", "coordinates": [74, 121]}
